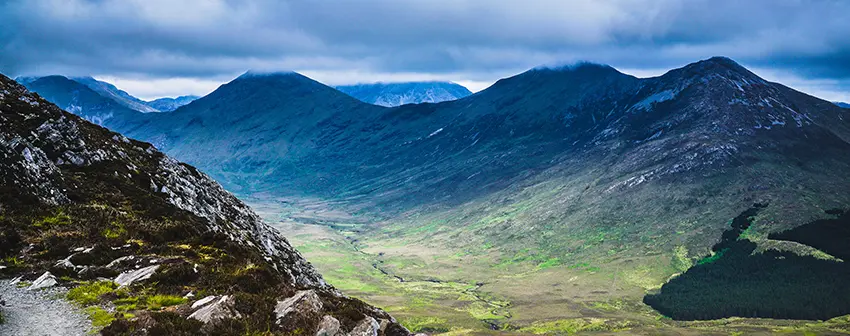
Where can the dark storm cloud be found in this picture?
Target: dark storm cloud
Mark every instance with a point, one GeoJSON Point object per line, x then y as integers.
{"type": "Point", "coordinates": [210, 38]}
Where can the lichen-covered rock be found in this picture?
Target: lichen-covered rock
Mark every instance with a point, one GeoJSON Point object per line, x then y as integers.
{"type": "Point", "coordinates": [142, 230]}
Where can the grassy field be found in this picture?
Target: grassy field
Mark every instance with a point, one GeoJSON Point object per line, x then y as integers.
{"type": "Point", "coordinates": [435, 285]}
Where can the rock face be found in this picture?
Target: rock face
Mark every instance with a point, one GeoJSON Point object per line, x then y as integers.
{"type": "Point", "coordinates": [85, 203]}
{"type": "Point", "coordinates": [396, 94]}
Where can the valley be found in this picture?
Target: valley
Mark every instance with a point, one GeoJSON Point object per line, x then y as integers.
{"type": "Point", "coordinates": [433, 286]}
{"type": "Point", "coordinates": [424, 168]}
{"type": "Point", "coordinates": [562, 200]}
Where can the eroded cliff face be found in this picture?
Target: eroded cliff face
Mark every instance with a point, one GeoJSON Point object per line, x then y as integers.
{"type": "Point", "coordinates": [151, 244]}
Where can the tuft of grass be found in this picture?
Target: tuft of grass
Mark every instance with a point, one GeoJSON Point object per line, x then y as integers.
{"type": "Point", "coordinates": [114, 231]}
{"type": "Point", "coordinates": [549, 263]}
{"type": "Point", "coordinates": [126, 304]}
{"type": "Point", "coordinates": [13, 261]}
{"type": "Point", "coordinates": [60, 218]}
{"type": "Point", "coordinates": [22, 284]}
{"type": "Point", "coordinates": [99, 318]}
{"type": "Point", "coordinates": [88, 294]}
{"type": "Point", "coordinates": [159, 301]}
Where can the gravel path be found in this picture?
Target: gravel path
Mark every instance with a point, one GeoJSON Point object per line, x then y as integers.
{"type": "Point", "coordinates": [40, 313]}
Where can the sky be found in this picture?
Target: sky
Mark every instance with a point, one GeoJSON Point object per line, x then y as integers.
{"type": "Point", "coordinates": [155, 48]}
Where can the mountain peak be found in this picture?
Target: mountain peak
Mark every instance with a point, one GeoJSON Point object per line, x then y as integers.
{"type": "Point", "coordinates": [580, 66]}
{"type": "Point", "coordinates": [719, 65]}
{"type": "Point", "coordinates": [258, 73]}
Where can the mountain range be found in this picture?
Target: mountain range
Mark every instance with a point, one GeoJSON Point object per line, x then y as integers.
{"type": "Point", "coordinates": [844, 105]}
{"type": "Point", "coordinates": [148, 245]}
{"type": "Point", "coordinates": [713, 119]}
{"type": "Point", "coordinates": [85, 101]}
{"type": "Point", "coordinates": [565, 166]}
{"type": "Point", "coordinates": [395, 94]}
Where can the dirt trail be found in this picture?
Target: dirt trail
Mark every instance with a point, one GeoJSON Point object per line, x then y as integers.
{"type": "Point", "coordinates": [40, 313]}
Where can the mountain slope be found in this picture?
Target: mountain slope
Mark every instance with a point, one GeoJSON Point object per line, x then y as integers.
{"type": "Point", "coordinates": [705, 118]}
{"type": "Point", "coordinates": [110, 91]}
{"type": "Point", "coordinates": [186, 256]}
{"type": "Point", "coordinates": [171, 104]}
{"type": "Point", "coordinates": [605, 142]}
{"type": "Point", "coordinates": [844, 105]}
{"type": "Point", "coordinates": [256, 125]}
{"type": "Point", "coordinates": [81, 100]}
{"type": "Point", "coordinates": [395, 94]}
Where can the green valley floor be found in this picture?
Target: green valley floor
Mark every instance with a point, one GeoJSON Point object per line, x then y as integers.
{"type": "Point", "coordinates": [437, 289]}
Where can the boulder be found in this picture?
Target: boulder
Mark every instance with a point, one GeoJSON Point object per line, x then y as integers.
{"type": "Point", "coordinates": [215, 308]}
{"type": "Point", "coordinates": [128, 277]}
{"type": "Point", "coordinates": [304, 303]}
{"type": "Point", "coordinates": [367, 327]}
{"type": "Point", "coordinates": [44, 281]}
{"type": "Point", "coordinates": [329, 326]}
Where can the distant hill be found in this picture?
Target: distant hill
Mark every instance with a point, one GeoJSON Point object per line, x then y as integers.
{"type": "Point", "coordinates": [844, 105]}
{"type": "Point", "coordinates": [171, 104]}
{"type": "Point", "coordinates": [110, 91]}
{"type": "Point", "coordinates": [395, 94]}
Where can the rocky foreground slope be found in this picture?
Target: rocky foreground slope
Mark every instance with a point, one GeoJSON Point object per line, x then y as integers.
{"type": "Point", "coordinates": [149, 245]}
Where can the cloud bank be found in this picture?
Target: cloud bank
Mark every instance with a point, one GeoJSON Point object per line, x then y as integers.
{"type": "Point", "coordinates": [476, 41]}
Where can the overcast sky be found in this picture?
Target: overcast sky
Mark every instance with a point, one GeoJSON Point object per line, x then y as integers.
{"type": "Point", "coordinates": [154, 48]}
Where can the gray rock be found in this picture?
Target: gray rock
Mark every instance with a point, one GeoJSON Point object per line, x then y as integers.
{"type": "Point", "coordinates": [44, 281]}
{"type": "Point", "coordinates": [204, 301]}
{"type": "Point", "coordinates": [220, 307]}
{"type": "Point", "coordinates": [328, 327]}
{"type": "Point", "coordinates": [303, 302]}
{"type": "Point", "coordinates": [128, 277]}
{"type": "Point", "coordinates": [118, 261]}
{"type": "Point", "coordinates": [367, 327]}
